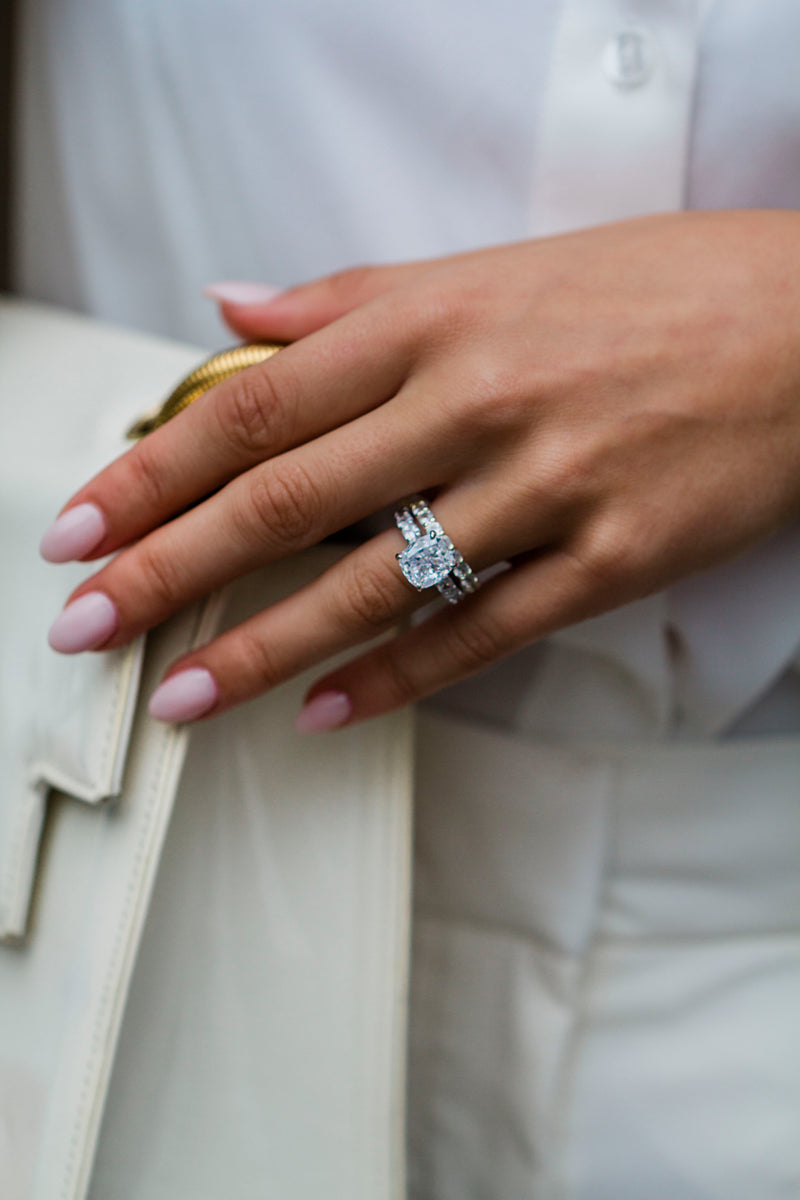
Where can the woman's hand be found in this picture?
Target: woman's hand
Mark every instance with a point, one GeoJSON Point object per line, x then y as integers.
{"type": "Point", "coordinates": [608, 411]}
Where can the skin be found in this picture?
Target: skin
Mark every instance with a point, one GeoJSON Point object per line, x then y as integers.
{"type": "Point", "coordinates": [609, 411]}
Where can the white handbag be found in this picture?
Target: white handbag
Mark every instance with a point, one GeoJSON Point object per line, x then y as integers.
{"type": "Point", "coordinates": [88, 785]}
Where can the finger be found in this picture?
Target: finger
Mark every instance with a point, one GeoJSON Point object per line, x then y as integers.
{"type": "Point", "coordinates": [357, 599]}
{"type": "Point", "coordinates": [526, 602]}
{"type": "Point", "coordinates": [274, 510]}
{"type": "Point", "coordinates": [264, 311]}
{"type": "Point", "coordinates": [298, 311]}
{"type": "Point", "coordinates": [360, 597]}
{"type": "Point", "coordinates": [308, 388]}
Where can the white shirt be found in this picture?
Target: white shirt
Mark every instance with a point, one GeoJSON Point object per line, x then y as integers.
{"type": "Point", "coordinates": [164, 146]}
{"type": "Point", "coordinates": [168, 145]}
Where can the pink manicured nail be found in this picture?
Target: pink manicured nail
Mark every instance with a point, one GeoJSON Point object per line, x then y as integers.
{"type": "Point", "coordinates": [184, 695]}
{"type": "Point", "coordinates": [84, 624]}
{"type": "Point", "coordinates": [242, 292]}
{"type": "Point", "coordinates": [73, 534]}
{"type": "Point", "coordinates": [329, 710]}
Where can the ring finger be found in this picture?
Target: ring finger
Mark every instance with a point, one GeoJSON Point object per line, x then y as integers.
{"type": "Point", "coordinates": [360, 597]}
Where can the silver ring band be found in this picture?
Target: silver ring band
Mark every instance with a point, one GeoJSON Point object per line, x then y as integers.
{"type": "Point", "coordinates": [430, 558]}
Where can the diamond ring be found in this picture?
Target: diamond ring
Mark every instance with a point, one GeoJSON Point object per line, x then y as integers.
{"type": "Point", "coordinates": [430, 558]}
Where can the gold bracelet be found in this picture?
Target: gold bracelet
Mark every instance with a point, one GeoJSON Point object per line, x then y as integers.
{"type": "Point", "coordinates": [220, 366]}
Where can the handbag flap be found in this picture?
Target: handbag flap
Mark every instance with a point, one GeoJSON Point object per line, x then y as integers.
{"type": "Point", "coordinates": [70, 388]}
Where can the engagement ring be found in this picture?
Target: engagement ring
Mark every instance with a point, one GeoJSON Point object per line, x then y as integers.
{"type": "Point", "coordinates": [430, 558]}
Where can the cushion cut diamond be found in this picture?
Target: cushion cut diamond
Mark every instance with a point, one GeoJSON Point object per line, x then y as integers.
{"type": "Point", "coordinates": [427, 560]}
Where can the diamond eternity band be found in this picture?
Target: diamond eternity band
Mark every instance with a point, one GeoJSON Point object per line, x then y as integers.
{"type": "Point", "coordinates": [430, 558]}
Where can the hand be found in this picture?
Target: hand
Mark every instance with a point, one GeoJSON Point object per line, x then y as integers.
{"type": "Point", "coordinates": [607, 411]}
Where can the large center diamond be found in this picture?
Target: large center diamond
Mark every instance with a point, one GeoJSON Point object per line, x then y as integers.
{"type": "Point", "coordinates": [426, 560]}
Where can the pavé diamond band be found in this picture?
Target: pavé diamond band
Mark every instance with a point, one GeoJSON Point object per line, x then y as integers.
{"type": "Point", "coordinates": [430, 558]}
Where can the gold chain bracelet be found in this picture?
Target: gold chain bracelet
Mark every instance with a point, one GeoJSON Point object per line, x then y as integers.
{"type": "Point", "coordinates": [220, 366]}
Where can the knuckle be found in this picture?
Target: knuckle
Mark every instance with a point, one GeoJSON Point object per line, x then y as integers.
{"type": "Point", "coordinates": [567, 469]}
{"type": "Point", "coordinates": [157, 576]}
{"type": "Point", "coordinates": [475, 645]}
{"type": "Point", "coordinates": [608, 553]}
{"type": "Point", "coordinates": [148, 476]}
{"type": "Point", "coordinates": [495, 397]}
{"type": "Point", "coordinates": [370, 597]}
{"type": "Point", "coordinates": [250, 414]}
{"type": "Point", "coordinates": [443, 313]}
{"type": "Point", "coordinates": [401, 686]}
{"type": "Point", "coordinates": [258, 659]}
{"type": "Point", "coordinates": [350, 282]}
{"type": "Point", "coordinates": [286, 505]}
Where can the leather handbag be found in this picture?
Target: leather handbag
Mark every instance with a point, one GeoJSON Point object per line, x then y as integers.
{"type": "Point", "coordinates": [88, 785]}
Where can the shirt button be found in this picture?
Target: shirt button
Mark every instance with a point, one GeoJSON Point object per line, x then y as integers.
{"type": "Point", "coordinates": [629, 58]}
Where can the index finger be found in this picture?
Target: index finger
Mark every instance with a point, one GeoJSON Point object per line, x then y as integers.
{"type": "Point", "coordinates": [309, 388]}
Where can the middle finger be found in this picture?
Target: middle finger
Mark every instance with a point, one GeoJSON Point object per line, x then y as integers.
{"type": "Point", "coordinates": [277, 508]}
{"type": "Point", "coordinates": [310, 387]}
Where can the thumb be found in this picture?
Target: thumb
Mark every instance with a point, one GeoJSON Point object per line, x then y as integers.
{"type": "Point", "coordinates": [260, 311]}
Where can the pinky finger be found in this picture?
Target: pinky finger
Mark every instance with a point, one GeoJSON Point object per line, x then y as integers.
{"type": "Point", "coordinates": [512, 610]}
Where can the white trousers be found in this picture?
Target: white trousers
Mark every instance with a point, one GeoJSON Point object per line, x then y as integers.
{"type": "Point", "coordinates": [606, 969]}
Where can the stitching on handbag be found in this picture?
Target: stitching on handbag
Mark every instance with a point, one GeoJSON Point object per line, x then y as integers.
{"type": "Point", "coordinates": [19, 828]}
{"type": "Point", "coordinates": [113, 723]}
{"type": "Point", "coordinates": [14, 856]}
{"type": "Point", "coordinates": [172, 743]}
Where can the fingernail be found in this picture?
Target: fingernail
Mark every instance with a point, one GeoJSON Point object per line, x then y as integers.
{"type": "Point", "coordinates": [74, 533]}
{"type": "Point", "coordinates": [85, 623]}
{"type": "Point", "coordinates": [185, 695]}
{"type": "Point", "coordinates": [242, 292]}
{"type": "Point", "coordinates": [329, 710]}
